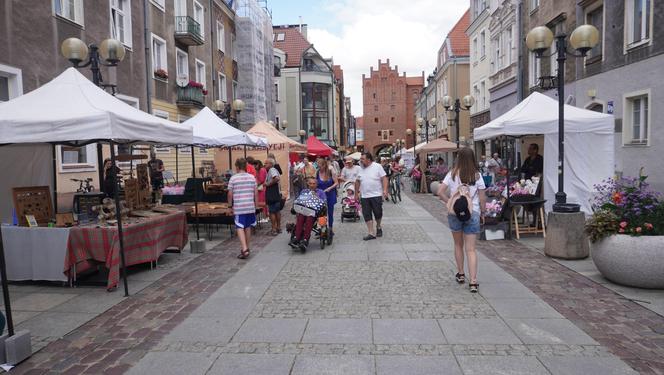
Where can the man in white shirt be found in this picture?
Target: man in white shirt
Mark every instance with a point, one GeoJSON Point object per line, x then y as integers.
{"type": "Point", "coordinates": [350, 171]}
{"type": "Point", "coordinates": [371, 183]}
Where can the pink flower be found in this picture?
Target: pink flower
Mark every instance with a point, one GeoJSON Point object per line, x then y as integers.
{"type": "Point", "coordinates": [623, 224]}
{"type": "Point", "coordinates": [621, 230]}
{"type": "Point", "coordinates": [648, 226]}
{"type": "Point", "coordinates": [638, 229]}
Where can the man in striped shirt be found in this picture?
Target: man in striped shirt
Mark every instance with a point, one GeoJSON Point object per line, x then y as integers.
{"type": "Point", "coordinates": [243, 197]}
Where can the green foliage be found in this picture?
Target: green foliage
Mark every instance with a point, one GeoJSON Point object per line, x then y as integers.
{"type": "Point", "coordinates": [602, 224]}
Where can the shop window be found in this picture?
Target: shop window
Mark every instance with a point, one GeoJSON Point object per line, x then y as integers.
{"type": "Point", "coordinates": [69, 9]}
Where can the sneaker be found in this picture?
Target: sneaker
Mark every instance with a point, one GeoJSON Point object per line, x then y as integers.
{"type": "Point", "coordinates": [474, 288]}
{"type": "Point", "coordinates": [369, 237]}
{"type": "Point", "coordinates": [294, 243]}
{"type": "Point", "coordinates": [379, 232]}
{"type": "Point", "coordinates": [303, 245]}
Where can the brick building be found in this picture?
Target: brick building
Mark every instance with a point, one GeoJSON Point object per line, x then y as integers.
{"type": "Point", "coordinates": [389, 106]}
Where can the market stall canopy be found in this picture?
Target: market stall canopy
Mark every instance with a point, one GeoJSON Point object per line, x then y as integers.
{"type": "Point", "coordinates": [436, 146]}
{"type": "Point", "coordinates": [589, 144]}
{"type": "Point", "coordinates": [275, 137]}
{"type": "Point", "coordinates": [318, 148]}
{"type": "Point", "coordinates": [71, 109]}
{"type": "Point", "coordinates": [211, 131]}
{"type": "Point", "coordinates": [416, 148]}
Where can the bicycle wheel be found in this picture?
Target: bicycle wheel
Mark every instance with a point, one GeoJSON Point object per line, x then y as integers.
{"type": "Point", "coordinates": [393, 193]}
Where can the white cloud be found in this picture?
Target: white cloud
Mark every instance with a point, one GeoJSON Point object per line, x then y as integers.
{"type": "Point", "coordinates": [409, 33]}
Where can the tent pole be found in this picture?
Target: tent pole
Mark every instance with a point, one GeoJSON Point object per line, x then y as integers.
{"type": "Point", "coordinates": [230, 158]}
{"type": "Point", "coordinates": [118, 215]}
{"type": "Point", "coordinates": [55, 180]}
{"type": "Point", "coordinates": [245, 151]}
{"type": "Point", "coordinates": [131, 161]}
{"type": "Point", "coordinates": [177, 166]}
{"type": "Point", "coordinates": [100, 164]}
{"type": "Point", "coordinates": [193, 173]}
{"type": "Point", "coordinates": [5, 289]}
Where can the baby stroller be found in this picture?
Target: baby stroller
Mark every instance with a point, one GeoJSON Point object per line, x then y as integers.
{"type": "Point", "coordinates": [311, 208]}
{"type": "Point", "coordinates": [350, 206]}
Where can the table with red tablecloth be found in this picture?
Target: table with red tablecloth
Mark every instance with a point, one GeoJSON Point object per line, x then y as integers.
{"type": "Point", "coordinates": [144, 241]}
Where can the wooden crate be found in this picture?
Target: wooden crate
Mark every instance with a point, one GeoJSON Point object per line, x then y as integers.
{"type": "Point", "coordinates": [33, 200]}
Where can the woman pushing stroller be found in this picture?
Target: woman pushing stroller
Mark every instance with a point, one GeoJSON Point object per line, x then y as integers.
{"type": "Point", "coordinates": [309, 205]}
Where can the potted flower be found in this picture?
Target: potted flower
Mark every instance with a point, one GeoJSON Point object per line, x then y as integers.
{"type": "Point", "coordinates": [626, 232]}
{"type": "Point", "coordinates": [161, 73]}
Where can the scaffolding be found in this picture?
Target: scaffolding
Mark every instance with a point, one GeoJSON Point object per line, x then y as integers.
{"type": "Point", "coordinates": [253, 25]}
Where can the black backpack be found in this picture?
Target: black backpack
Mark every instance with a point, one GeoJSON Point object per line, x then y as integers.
{"type": "Point", "coordinates": [461, 209]}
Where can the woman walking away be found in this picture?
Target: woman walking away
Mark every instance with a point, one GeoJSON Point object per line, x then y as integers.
{"type": "Point", "coordinates": [465, 207]}
{"type": "Point", "coordinates": [327, 181]}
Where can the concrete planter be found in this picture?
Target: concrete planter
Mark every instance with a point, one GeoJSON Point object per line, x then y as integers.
{"type": "Point", "coordinates": [434, 187]}
{"type": "Point", "coordinates": [631, 261]}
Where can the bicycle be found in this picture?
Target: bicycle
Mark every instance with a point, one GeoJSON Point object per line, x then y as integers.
{"type": "Point", "coordinates": [395, 189]}
{"type": "Point", "coordinates": [88, 188]}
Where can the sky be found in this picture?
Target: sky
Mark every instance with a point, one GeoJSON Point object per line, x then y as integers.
{"type": "Point", "coordinates": [357, 33]}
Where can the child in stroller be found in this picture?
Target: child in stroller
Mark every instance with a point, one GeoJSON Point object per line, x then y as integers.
{"type": "Point", "coordinates": [311, 210]}
{"type": "Point", "coordinates": [350, 206]}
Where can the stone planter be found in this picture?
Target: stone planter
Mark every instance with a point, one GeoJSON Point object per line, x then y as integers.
{"type": "Point", "coordinates": [631, 261]}
{"type": "Point", "coordinates": [434, 187]}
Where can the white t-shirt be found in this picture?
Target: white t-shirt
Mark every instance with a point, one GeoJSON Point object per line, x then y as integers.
{"type": "Point", "coordinates": [371, 180]}
{"type": "Point", "coordinates": [350, 174]}
{"type": "Point", "coordinates": [453, 185]}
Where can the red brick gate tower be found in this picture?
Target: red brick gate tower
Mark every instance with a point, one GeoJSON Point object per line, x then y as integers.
{"type": "Point", "coordinates": [389, 106]}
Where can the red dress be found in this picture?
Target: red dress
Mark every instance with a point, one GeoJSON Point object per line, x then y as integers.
{"type": "Point", "coordinates": [260, 181]}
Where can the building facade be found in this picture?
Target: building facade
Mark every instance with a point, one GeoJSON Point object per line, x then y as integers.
{"type": "Point", "coordinates": [505, 31]}
{"type": "Point", "coordinates": [622, 76]}
{"type": "Point", "coordinates": [389, 106]}
{"type": "Point", "coordinates": [338, 138]}
{"type": "Point", "coordinates": [481, 41]}
{"type": "Point", "coordinates": [306, 85]}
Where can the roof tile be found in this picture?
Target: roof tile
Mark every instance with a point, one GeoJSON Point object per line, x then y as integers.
{"type": "Point", "coordinates": [459, 41]}
{"type": "Point", "coordinates": [294, 44]}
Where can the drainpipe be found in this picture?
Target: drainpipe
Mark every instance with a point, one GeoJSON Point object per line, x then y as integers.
{"type": "Point", "coordinates": [212, 42]}
{"type": "Point", "coordinates": [146, 31]}
{"type": "Point", "coordinates": [519, 62]}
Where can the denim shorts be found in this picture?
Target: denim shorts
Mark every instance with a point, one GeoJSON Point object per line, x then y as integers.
{"type": "Point", "coordinates": [471, 226]}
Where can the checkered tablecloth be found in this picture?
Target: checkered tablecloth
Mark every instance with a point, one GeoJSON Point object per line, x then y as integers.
{"type": "Point", "coordinates": [143, 242]}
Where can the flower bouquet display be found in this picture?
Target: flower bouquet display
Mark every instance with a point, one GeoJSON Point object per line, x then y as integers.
{"type": "Point", "coordinates": [523, 191]}
{"type": "Point", "coordinates": [494, 210]}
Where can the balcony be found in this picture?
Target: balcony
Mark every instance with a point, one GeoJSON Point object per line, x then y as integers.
{"type": "Point", "coordinates": [190, 97]}
{"type": "Point", "coordinates": [188, 31]}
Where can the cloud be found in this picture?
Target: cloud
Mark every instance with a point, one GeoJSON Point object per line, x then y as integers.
{"type": "Point", "coordinates": [409, 33]}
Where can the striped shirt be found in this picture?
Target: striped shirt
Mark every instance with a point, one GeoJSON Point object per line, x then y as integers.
{"type": "Point", "coordinates": [243, 187]}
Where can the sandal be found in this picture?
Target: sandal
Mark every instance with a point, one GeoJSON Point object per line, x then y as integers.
{"type": "Point", "coordinates": [474, 288]}
{"type": "Point", "coordinates": [244, 254]}
{"type": "Point", "coordinates": [460, 278]}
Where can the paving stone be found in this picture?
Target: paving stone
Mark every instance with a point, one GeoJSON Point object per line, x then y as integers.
{"type": "Point", "coordinates": [210, 330]}
{"type": "Point", "coordinates": [420, 365]}
{"type": "Point", "coordinates": [252, 364]}
{"type": "Point", "coordinates": [175, 363]}
{"type": "Point", "coordinates": [407, 331]}
{"type": "Point", "coordinates": [349, 256]}
{"type": "Point", "coordinates": [549, 331]}
{"type": "Point", "coordinates": [522, 308]}
{"type": "Point", "coordinates": [338, 331]}
{"type": "Point", "coordinates": [505, 290]}
{"type": "Point", "coordinates": [333, 365]}
{"type": "Point", "coordinates": [224, 307]}
{"type": "Point", "coordinates": [477, 331]}
{"type": "Point", "coordinates": [55, 324]}
{"type": "Point", "coordinates": [586, 366]}
{"type": "Point", "coordinates": [426, 256]}
{"type": "Point", "coordinates": [482, 365]}
{"type": "Point", "coordinates": [41, 301]}
{"type": "Point", "coordinates": [378, 256]}
{"type": "Point", "coordinates": [271, 330]}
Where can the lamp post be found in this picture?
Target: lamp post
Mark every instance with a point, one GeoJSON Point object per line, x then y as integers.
{"type": "Point", "coordinates": [457, 106]}
{"type": "Point", "coordinates": [425, 124]}
{"type": "Point", "coordinates": [582, 39]}
{"type": "Point", "coordinates": [223, 110]}
{"type": "Point", "coordinates": [284, 124]}
{"type": "Point", "coordinates": [109, 53]}
{"type": "Point", "coordinates": [302, 133]}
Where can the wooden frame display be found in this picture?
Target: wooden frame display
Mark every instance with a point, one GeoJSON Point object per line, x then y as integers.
{"type": "Point", "coordinates": [33, 200]}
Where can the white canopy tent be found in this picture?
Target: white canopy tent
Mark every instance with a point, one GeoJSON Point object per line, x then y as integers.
{"type": "Point", "coordinates": [589, 144]}
{"type": "Point", "coordinates": [210, 130]}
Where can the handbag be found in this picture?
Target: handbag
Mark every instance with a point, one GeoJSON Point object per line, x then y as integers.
{"type": "Point", "coordinates": [272, 194]}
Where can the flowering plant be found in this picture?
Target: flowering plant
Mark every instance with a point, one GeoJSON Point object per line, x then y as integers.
{"type": "Point", "coordinates": [161, 73]}
{"type": "Point", "coordinates": [493, 208]}
{"type": "Point", "coordinates": [195, 84]}
{"type": "Point", "coordinates": [625, 206]}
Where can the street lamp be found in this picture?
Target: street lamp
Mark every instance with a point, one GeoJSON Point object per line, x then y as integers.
{"type": "Point", "coordinates": [109, 53]}
{"type": "Point", "coordinates": [425, 124]}
{"type": "Point", "coordinates": [456, 106]}
{"type": "Point", "coordinates": [582, 39]}
{"type": "Point", "coordinates": [284, 124]}
{"type": "Point", "coordinates": [302, 133]}
{"type": "Point", "coordinates": [410, 132]}
{"type": "Point", "coordinates": [223, 110]}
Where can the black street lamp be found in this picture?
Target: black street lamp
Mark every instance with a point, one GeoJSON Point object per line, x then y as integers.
{"type": "Point", "coordinates": [582, 39]}
{"type": "Point", "coordinates": [223, 110]}
{"type": "Point", "coordinates": [109, 53]}
{"type": "Point", "coordinates": [456, 107]}
{"type": "Point", "coordinates": [425, 124]}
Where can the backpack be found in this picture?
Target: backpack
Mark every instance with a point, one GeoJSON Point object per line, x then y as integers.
{"type": "Point", "coordinates": [460, 203]}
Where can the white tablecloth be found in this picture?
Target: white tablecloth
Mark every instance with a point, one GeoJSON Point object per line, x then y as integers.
{"type": "Point", "coordinates": [35, 253]}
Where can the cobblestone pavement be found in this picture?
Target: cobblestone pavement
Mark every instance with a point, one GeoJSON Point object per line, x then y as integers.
{"type": "Point", "coordinates": [388, 306]}
{"type": "Point", "coordinates": [628, 330]}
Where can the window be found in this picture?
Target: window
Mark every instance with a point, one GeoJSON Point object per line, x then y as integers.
{"type": "Point", "coordinates": [475, 49]}
{"type": "Point", "coordinates": [203, 151]}
{"type": "Point", "coordinates": [199, 16]}
{"type": "Point", "coordinates": [164, 115]}
{"type": "Point", "coordinates": [69, 9]}
{"type": "Point", "coordinates": [234, 47]}
{"type": "Point", "coordinates": [200, 73]}
{"type": "Point", "coordinates": [276, 91]}
{"type": "Point", "coordinates": [476, 94]}
{"type": "Point", "coordinates": [223, 95]}
{"type": "Point", "coordinates": [508, 46]}
{"type": "Point", "coordinates": [181, 64]}
{"type": "Point", "coordinates": [534, 66]}
{"type": "Point", "coordinates": [77, 159]}
{"type": "Point", "coordinates": [11, 83]}
{"type": "Point", "coordinates": [158, 54]}
{"type": "Point", "coordinates": [534, 4]}
{"type": "Point", "coordinates": [483, 94]}
{"type": "Point", "coordinates": [374, 95]}
{"type": "Point", "coordinates": [637, 24]}
{"type": "Point", "coordinates": [281, 37]}
{"type": "Point", "coordinates": [121, 21]}
{"type": "Point", "coordinates": [392, 107]}
{"type": "Point", "coordinates": [595, 17]}
{"type": "Point", "coordinates": [391, 119]}
{"type": "Point", "coordinates": [497, 57]}
{"type": "Point", "coordinates": [375, 108]}
{"type": "Point", "coordinates": [221, 37]}
{"type": "Point", "coordinates": [637, 119]}
{"type": "Point", "coordinates": [376, 120]}
{"type": "Point", "coordinates": [483, 44]}
{"type": "Point", "coordinates": [386, 136]}
{"type": "Point", "coordinates": [160, 4]}
{"type": "Point", "coordinates": [235, 92]}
